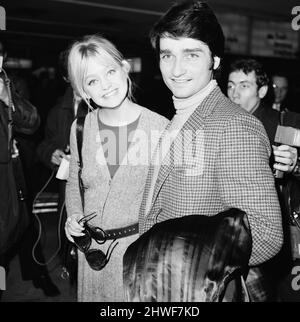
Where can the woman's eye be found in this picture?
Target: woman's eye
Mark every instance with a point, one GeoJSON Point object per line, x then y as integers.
{"type": "Point", "coordinates": [92, 82]}
{"type": "Point", "coordinates": [111, 72]}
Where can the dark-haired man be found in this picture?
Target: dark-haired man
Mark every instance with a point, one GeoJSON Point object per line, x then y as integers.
{"type": "Point", "coordinates": [231, 165]}
{"type": "Point", "coordinates": [247, 86]}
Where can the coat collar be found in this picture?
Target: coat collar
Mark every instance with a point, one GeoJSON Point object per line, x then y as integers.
{"type": "Point", "coordinates": [195, 122]}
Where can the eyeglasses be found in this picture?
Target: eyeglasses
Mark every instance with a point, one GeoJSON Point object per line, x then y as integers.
{"type": "Point", "coordinates": [96, 258]}
{"type": "Point", "coordinates": [279, 87]}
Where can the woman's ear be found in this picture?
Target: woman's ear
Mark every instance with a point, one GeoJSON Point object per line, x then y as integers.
{"type": "Point", "coordinates": [126, 66]}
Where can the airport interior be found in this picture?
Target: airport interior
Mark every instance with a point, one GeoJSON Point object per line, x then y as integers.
{"type": "Point", "coordinates": [36, 32]}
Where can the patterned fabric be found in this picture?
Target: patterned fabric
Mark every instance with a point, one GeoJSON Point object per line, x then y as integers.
{"type": "Point", "coordinates": [230, 170]}
{"type": "Point", "coordinates": [190, 259]}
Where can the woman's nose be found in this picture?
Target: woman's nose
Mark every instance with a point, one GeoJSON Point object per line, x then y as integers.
{"type": "Point", "coordinates": [105, 83]}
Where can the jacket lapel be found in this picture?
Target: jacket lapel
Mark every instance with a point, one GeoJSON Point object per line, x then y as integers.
{"type": "Point", "coordinates": [184, 138]}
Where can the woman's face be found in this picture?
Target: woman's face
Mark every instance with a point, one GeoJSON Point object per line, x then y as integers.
{"type": "Point", "coordinates": [105, 81]}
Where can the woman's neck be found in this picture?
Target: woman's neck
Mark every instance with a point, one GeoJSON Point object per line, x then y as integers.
{"type": "Point", "coordinates": [124, 114]}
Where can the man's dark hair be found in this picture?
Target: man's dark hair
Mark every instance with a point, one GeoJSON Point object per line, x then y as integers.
{"type": "Point", "coordinates": [280, 74]}
{"type": "Point", "coordinates": [191, 20]}
{"type": "Point", "coordinates": [251, 65]}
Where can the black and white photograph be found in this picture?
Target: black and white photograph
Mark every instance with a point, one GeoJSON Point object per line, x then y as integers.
{"type": "Point", "coordinates": [149, 154]}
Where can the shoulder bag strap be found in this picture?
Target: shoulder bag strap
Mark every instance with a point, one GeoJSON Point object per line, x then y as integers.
{"type": "Point", "coordinates": [79, 137]}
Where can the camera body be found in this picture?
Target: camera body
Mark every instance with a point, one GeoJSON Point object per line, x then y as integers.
{"type": "Point", "coordinates": [286, 135]}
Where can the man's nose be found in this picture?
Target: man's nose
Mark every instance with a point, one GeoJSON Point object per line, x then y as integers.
{"type": "Point", "coordinates": [235, 92]}
{"type": "Point", "coordinates": [178, 67]}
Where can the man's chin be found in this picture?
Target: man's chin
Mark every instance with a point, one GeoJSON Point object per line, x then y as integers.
{"type": "Point", "coordinates": [181, 94]}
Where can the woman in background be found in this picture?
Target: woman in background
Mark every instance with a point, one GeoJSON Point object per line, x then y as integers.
{"type": "Point", "coordinates": [118, 138]}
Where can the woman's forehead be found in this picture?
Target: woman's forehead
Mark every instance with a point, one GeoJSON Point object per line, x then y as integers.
{"type": "Point", "coordinates": [102, 58]}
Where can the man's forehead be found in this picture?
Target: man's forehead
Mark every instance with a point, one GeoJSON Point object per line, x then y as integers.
{"type": "Point", "coordinates": [169, 42]}
{"type": "Point", "coordinates": [280, 80]}
{"type": "Point", "coordinates": [241, 76]}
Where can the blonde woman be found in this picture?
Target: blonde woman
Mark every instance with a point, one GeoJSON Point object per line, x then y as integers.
{"type": "Point", "coordinates": [118, 140]}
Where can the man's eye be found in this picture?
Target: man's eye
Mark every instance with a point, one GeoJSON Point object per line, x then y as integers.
{"type": "Point", "coordinates": [192, 56]}
{"type": "Point", "coordinates": [165, 57]}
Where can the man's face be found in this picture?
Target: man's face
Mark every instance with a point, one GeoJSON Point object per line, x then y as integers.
{"type": "Point", "coordinates": [243, 90]}
{"type": "Point", "coordinates": [186, 65]}
{"type": "Point", "coordinates": [280, 86]}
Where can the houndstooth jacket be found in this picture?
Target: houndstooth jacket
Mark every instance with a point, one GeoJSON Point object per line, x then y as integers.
{"type": "Point", "coordinates": [219, 160]}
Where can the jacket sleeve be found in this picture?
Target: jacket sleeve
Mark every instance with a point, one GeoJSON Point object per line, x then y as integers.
{"type": "Point", "coordinates": [246, 181]}
{"type": "Point", "coordinates": [25, 118]}
{"type": "Point", "coordinates": [51, 141]}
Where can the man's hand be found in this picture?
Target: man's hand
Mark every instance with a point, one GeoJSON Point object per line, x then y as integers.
{"type": "Point", "coordinates": [285, 158]}
{"type": "Point", "coordinates": [57, 156]}
{"type": "Point", "coordinates": [3, 92]}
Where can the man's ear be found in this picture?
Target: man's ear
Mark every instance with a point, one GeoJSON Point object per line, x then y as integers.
{"type": "Point", "coordinates": [262, 92]}
{"type": "Point", "coordinates": [217, 61]}
{"type": "Point", "coordinates": [126, 66]}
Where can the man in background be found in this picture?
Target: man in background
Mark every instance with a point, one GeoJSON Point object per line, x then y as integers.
{"type": "Point", "coordinates": [247, 87]}
{"type": "Point", "coordinates": [13, 186]}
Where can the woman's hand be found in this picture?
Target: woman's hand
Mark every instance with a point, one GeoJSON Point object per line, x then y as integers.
{"type": "Point", "coordinates": [73, 228]}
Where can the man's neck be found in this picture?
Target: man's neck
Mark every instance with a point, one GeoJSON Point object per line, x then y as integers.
{"type": "Point", "coordinates": [276, 106]}
{"type": "Point", "coordinates": [255, 107]}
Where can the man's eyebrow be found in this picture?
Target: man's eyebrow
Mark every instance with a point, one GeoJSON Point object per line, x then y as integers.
{"type": "Point", "coordinates": [246, 81]}
{"type": "Point", "coordinates": [192, 50]}
{"type": "Point", "coordinates": [186, 50]}
{"type": "Point", "coordinates": [164, 51]}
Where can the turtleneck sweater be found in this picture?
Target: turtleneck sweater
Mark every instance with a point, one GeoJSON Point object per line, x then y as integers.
{"type": "Point", "coordinates": [184, 109]}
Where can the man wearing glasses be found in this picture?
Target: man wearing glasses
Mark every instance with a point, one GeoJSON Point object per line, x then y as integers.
{"type": "Point", "coordinates": [280, 87]}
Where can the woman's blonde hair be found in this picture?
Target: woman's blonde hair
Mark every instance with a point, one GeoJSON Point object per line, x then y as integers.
{"type": "Point", "coordinates": [79, 54]}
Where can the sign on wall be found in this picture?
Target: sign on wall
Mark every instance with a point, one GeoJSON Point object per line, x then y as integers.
{"type": "Point", "coordinates": [274, 39]}
{"type": "Point", "coordinates": [236, 31]}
